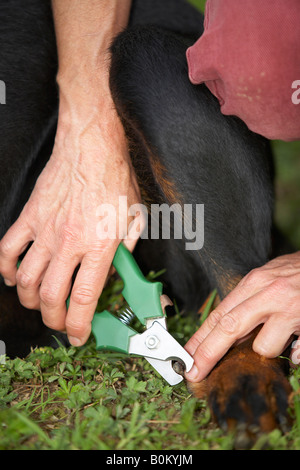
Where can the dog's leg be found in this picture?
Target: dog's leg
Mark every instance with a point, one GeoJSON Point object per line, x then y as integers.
{"type": "Point", "coordinates": [28, 64]}
{"type": "Point", "coordinates": [185, 151]}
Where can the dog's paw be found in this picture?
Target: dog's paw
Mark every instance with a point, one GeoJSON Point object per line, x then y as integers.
{"type": "Point", "coordinates": [247, 394]}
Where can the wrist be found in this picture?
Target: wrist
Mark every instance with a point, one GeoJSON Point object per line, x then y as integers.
{"type": "Point", "coordinates": [85, 99]}
{"type": "Point", "coordinates": [88, 73]}
{"type": "Point", "coordinates": [94, 125]}
{"type": "Point", "coordinates": [84, 84]}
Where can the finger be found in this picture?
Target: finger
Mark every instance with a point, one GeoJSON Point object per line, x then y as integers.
{"type": "Point", "coordinates": [55, 289]}
{"type": "Point", "coordinates": [131, 239]}
{"type": "Point", "coordinates": [130, 243]}
{"type": "Point", "coordinates": [236, 324]}
{"type": "Point", "coordinates": [228, 304]}
{"type": "Point", "coordinates": [274, 336]}
{"type": "Point", "coordinates": [136, 226]}
{"type": "Point", "coordinates": [85, 294]}
{"type": "Point", "coordinates": [30, 274]}
{"type": "Point", "coordinates": [235, 298]}
{"type": "Point", "coordinates": [12, 245]}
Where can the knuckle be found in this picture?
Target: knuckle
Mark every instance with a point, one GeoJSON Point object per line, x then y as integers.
{"type": "Point", "coordinates": [229, 325]}
{"type": "Point", "coordinates": [205, 354]}
{"type": "Point", "coordinates": [24, 280]}
{"type": "Point", "coordinates": [213, 318]}
{"type": "Point", "coordinates": [70, 234]}
{"type": "Point", "coordinates": [253, 276]}
{"type": "Point", "coordinates": [280, 284]}
{"type": "Point", "coordinates": [94, 259]}
{"type": "Point", "coordinates": [288, 308]}
{"type": "Point", "coordinates": [48, 296]}
{"type": "Point", "coordinates": [83, 295]}
{"type": "Point", "coordinates": [5, 248]}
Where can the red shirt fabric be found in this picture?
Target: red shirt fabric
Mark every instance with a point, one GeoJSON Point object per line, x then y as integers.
{"type": "Point", "coordinates": [249, 58]}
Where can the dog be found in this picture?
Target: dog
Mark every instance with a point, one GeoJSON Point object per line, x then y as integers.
{"type": "Point", "coordinates": [184, 151]}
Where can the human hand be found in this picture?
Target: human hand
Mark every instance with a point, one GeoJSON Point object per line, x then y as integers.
{"type": "Point", "coordinates": [89, 166]}
{"type": "Point", "coordinates": [269, 295]}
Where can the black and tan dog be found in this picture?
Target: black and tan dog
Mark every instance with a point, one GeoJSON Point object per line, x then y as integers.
{"type": "Point", "coordinates": [183, 150]}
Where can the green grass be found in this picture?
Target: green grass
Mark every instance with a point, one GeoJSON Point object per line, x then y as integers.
{"type": "Point", "coordinates": [287, 168]}
{"type": "Point", "coordinates": [67, 399]}
{"type": "Point", "coordinates": [80, 399]}
{"type": "Point", "coordinates": [198, 4]}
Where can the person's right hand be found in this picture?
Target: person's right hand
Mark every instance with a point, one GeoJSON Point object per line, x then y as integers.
{"type": "Point", "coordinates": [89, 166]}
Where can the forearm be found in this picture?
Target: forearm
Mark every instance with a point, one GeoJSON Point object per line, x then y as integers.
{"type": "Point", "coordinates": [84, 31]}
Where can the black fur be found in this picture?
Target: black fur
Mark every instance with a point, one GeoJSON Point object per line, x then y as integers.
{"type": "Point", "coordinates": [182, 148]}
{"type": "Point", "coordinates": [212, 159]}
{"type": "Point", "coordinates": [28, 64]}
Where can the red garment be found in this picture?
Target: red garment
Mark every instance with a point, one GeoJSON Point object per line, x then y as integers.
{"type": "Point", "coordinates": [249, 58]}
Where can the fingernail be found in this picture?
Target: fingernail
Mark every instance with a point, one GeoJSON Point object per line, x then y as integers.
{"type": "Point", "coordinates": [192, 374]}
{"type": "Point", "coordinates": [75, 341]}
{"type": "Point", "coordinates": [8, 283]}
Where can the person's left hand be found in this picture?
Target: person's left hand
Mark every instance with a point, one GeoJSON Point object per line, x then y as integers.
{"type": "Point", "coordinates": [269, 295]}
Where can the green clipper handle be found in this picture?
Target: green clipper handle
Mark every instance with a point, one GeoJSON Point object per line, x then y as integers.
{"type": "Point", "coordinates": [142, 296]}
{"type": "Point", "coordinates": [110, 333]}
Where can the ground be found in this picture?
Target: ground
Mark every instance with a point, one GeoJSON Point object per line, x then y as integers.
{"type": "Point", "coordinates": [81, 399]}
